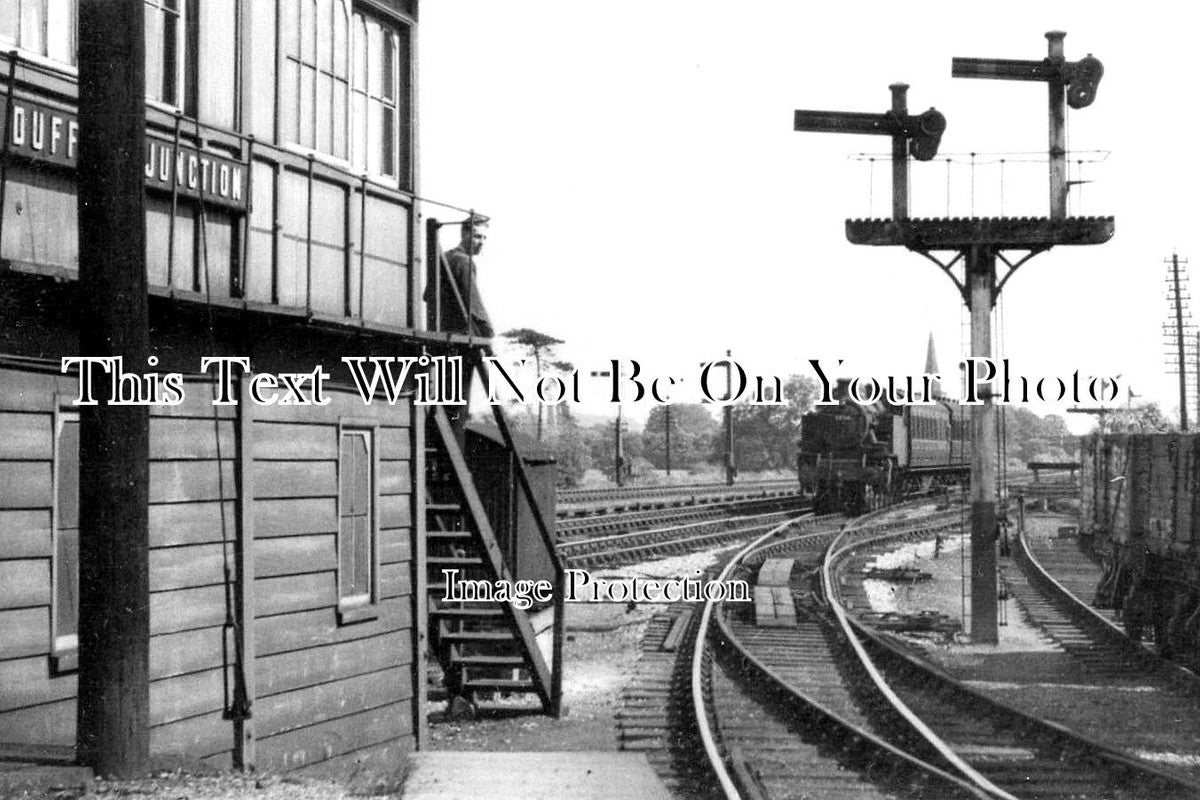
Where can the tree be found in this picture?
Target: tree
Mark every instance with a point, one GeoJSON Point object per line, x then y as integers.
{"type": "Point", "coordinates": [1144, 418]}
{"type": "Point", "coordinates": [692, 430]}
{"type": "Point", "coordinates": [541, 345]}
{"type": "Point", "coordinates": [764, 436]}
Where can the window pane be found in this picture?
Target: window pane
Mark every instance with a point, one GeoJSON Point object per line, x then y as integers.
{"type": "Point", "coordinates": [67, 581]}
{"type": "Point", "coordinates": [289, 105]}
{"type": "Point", "coordinates": [362, 555]}
{"type": "Point", "coordinates": [68, 475]}
{"type": "Point", "coordinates": [10, 20]}
{"type": "Point", "coordinates": [387, 71]}
{"type": "Point", "coordinates": [170, 58]}
{"type": "Point", "coordinates": [60, 27]}
{"type": "Point", "coordinates": [362, 476]}
{"type": "Point", "coordinates": [374, 37]}
{"type": "Point", "coordinates": [360, 52]}
{"type": "Point", "coordinates": [289, 27]}
{"type": "Point", "coordinates": [340, 55]}
{"type": "Point", "coordinates": [324, 115]}
{"type": "Point", "coordinates": [308, 32]}
{"type": "Point", "coordinates": [66, 548]}
{"type": "Point", "coordinates": [358, 132]}
{"type": "Point", "coordinates": [307, 120]}
{"type": "Point", "coordinates": [324, 35]}
{"type": "Point", "coordinates": [154, 65]}
{"type": "Point", "coordinates": [346, 556]}
{"type": "Point", "coordinates": [31, 26]}
{"type": "Point", "coordinates": [339, 120]}
{"type": "Point", "coordinates": [387, 151]}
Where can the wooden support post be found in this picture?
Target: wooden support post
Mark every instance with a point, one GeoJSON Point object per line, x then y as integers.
{"type": "Point", "coordinates": [1058, 130]}
{"type": "Point", "coordinates": [899, 154]}
{"type": "Point", "coordinates": [113, 732]}
{"type": "Point", "coordinates": [245, 750]}
{"type": "Point", "coordinates": [981, 282]}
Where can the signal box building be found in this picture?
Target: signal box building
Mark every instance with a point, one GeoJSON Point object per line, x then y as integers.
{"type": "Point", "coordinates": [291, 546]}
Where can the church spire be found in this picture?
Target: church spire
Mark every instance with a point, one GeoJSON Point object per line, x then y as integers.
{"type": "Point", "coordinates": [931, 365]}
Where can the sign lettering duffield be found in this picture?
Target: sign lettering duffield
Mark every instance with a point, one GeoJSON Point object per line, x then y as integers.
{"type": "Point", "coordinates": [45, 134]}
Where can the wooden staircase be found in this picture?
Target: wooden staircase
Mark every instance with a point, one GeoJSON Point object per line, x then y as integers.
{"type": "Point", "coordinates": [483, 647]}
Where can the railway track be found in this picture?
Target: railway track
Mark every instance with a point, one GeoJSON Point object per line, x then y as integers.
{"type": "Point", "coordinates": [629, 548]}
{"type": "Point", "coordinates": [1000, 749]}
{"type": "Point", "coordinates": [777, 715]}
{"type": "Point", "coordinates": [624, 522]}
{"type": "Point", "coordinates": [579, 496]}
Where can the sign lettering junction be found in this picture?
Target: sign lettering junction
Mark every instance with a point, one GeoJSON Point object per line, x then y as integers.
{"type": "Point", "coordinates": [41, 133]}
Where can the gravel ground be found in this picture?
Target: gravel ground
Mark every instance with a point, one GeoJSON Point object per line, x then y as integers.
{"type": "Point", "coordinates": [1031, 672]}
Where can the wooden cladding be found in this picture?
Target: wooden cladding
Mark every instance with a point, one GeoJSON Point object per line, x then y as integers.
{"type": "Point", "coordinates": [232, 497]}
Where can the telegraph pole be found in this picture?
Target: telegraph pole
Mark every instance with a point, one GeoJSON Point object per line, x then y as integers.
{"type": "Point", "coordinates": [730, 464]}
{"type": "Point", "coordinates": [113, 731]}
{"type": "Point", "coordinates": [1177, 301]}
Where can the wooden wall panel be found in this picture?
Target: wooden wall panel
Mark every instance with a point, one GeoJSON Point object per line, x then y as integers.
{"type": "Point", "coordinates": [25, 484]}
{"type": "Point", "coordinates": [26, 632]}
{"type": "Point", "coordinates": [395, 545]}
{"type": "Point", "coordinates": [191, 523]}
{"type": "Point", "coordinates": [291, 555]}
{"type": "Point", "coordinates": [190, 566]}
{"type": "Point", "coordinates": [178, 438]}
{"type": "Point", "coordinates": [274, 441]}
{"type": "Point", "coordinates": [341, 738]}
{"type": "Point", "coordinates": [291, 632]}
{"type": "Point", "coordinates": [295, 479]}
{"type": "Point", "coordinates": [290, 671]}
{"type": "Point", "coordinates": [26, 682]}
{"type": "Point", "coordinates": [295, 593]}
{"type": "Point", "coordinates": [293, 517]}
{"type": "Point", "coordinates": [394, 443]}
{"type": "Point", "coordinates": [49, 723]}
{"type": "Point", "coordinates": [293, 710]}
{"type": "Point", "coordinates": [195, 737]}
{"type": "Point", "coordinates": [395, 511]}
{"type": "Point", "coordinates": [395, 477]}
{"type": "Point", "coordinates": [25, 582]}
{"type": "Point", "coordinates": [188, 651]}
{"type": "Point", "coordinates": [22, 390]}
{"type": "Point", "coordinates": [395, 580]}
{"type": "Point", "coordinates": [379, 759]}
{"type": "Point", "coordinates": [184, 696]}
{"type": "Point", "coordinates": [24, 534]}
{"type": "Point", "coordinates": [189, 481]}
{"type": "Point", "coordinates": [26, 436]}
{"type": "Point", "coordinates": [186, 609]}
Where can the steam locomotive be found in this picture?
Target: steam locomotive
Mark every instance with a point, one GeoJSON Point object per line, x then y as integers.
{"type": "Point", "coordinates": [854, 457]}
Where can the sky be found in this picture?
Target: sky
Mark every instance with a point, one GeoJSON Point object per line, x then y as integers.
{"type": "Point", "coordinates": [651, 201]}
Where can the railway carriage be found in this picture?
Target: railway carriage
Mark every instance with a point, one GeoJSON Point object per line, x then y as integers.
{"type": "Point", "coordinates": [288, 548]}
{"type": "Point", "coordinates": [1140, 509]}
{"type": "Point", "coordinates": [854, 456]}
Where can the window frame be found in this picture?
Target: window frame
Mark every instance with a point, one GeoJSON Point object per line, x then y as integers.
{"type": "Point", "coordinates": [403, 25]}
{"type": "Point", "coordinates": [186, 44]}
{"type": "Point", "coordinates": [45, 59]}
{"type": "Point", "coordinates": [284, 92]}
{"type": "Point", "coordinates": [362, 607]}
{"type": "Point", "coordinates": [64, 650]}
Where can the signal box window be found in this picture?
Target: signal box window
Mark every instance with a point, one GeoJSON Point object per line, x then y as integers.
{"type": "Point", "coordinates": [356, 525]}
{"type": "Point", "coordinates": [314, 86]}
{"type": "Point", "coordinates": [41, 27]}
{"type": "Point", "coordinates": [165, 51]}
{"type": "Point", "coordinates": [65, 612]}
{"type": "Point", "coordinates": [381, 57]}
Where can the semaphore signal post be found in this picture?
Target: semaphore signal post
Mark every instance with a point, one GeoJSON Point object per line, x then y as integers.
{"type": "Point", "coordinates": [978, 243]}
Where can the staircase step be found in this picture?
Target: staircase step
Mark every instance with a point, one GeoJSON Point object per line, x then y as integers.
{"type": "Point", "coordinates": [498, 683]}
{"type": "Point", "coordinates": [463, 561]}
{"type": "Point", "coordinates": [467, 612]}
{"type": "Point", "coordinates": [477, 636]}
{"type": "Point", "coordinates": [448, 534]}
{"type": "Point", "coordinates": [488, 660]}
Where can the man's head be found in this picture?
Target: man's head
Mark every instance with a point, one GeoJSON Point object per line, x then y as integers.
{"type": "Point", "coordinates": [474, 234]}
